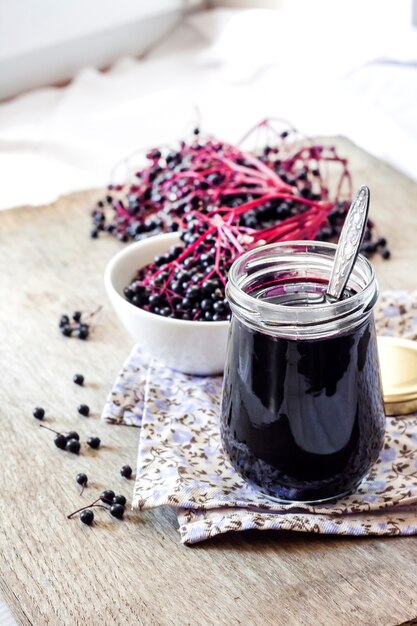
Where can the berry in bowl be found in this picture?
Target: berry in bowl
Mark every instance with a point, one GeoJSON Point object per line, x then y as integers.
{"type": "Point", "coordinates": [175, 313]}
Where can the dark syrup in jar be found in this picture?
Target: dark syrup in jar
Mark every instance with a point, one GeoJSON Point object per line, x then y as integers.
{"type": "Point", "coordinates": [302, 419]}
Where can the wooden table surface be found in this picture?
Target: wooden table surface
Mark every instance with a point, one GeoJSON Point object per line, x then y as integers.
{"type": "Point", "coordinates": [58, 571]}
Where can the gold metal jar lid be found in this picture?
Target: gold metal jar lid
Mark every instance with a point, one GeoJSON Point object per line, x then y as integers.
{"type": "Point", "coordinates": [398, 361]}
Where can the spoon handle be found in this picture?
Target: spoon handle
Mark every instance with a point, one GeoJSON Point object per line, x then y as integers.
{"type": "Point", "coordinates": [349, 243]}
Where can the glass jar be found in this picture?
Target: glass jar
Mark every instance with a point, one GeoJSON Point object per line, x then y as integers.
{"type": "Point", "coordinates": [302, 415]}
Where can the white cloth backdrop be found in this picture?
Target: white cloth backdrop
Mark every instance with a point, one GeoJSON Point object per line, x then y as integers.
{"type": "Point", "coordinates": [234, 67]}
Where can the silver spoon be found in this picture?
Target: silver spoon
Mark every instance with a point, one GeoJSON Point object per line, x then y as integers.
{"type": "Point", "coordinates": [349, 243]}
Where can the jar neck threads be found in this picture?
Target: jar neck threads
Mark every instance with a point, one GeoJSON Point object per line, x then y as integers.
{"type": "Point", "coordinates": [280, 289]}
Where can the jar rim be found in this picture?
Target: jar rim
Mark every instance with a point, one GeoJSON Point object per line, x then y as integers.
{"type": "Point", "coordinates": [294, 315]}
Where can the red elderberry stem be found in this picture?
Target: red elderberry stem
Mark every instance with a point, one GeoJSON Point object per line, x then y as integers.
{"type": "Point", "coordinates": [89, 506]}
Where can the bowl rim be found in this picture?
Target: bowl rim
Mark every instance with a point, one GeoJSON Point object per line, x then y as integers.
{"type": "Point", "coordinates": [126, 252]}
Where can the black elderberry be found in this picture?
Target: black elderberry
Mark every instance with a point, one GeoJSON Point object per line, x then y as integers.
{"type": "Point", "coordinates": [39, 413]}
{"type": "Point", "coordinates": [72, 434]}
{"type": "Point", "coordinates": [129, 293]}
{"type": "Point", "coordinates": [198, 277]}
{"type": "Point", "coordinates": [192, 292]}
{"type": "Point", "coordinates": [188, 262]}
{"type": "Point", "coordinates": [206, 305]}
{"type": "Point", "coordinates": [99, 217]}
{"type": "Point", "coordinates": [155, 299]}
{"type": "Point", "coordinates": [126, 471]}
{"type": "Point", "coordinates": [94, 442]}
{"type": "Point", "coordinates": [78, 379]}
{"type": "Point", "coordinates": [369, 248]}
{"type": "Point", "coordinates": [73, 445]}
{"type": "Point", "coordinates": [186, 303]}
{"type": "Point", "coordinates": [81, 479]}
{"type": "Point", "coordinates": [159, 260]}
{"type": "Point", "coordinates": [117, 510]}
{"type": "Point", "coordinates": [83, 409]}
{"type": "Point", "coordinates": [63, 320]}
{"type": "Point", "coordinates": [176, 287]}
{"type": "Point", "coordinates": [220, 307]}
{"type": "Point", "coordinates": [83, 331]}
{"type": "Point", "coordinates": [209, 285]}
{"type": "Point", "coordinates": [76, 316]}
{"type": "Point", "coordinates": [184, 277]}
{"type": "Point", "coordinates": [87, 517]}
{"type": "Point", "coordinates": [207, 259]}
{"type": "Point", "coordinates": [107, 496]}
{"type": "Point", "coordinates": [138, 300]}
{"type": "Point", "coordinates": [119, 500]}
{"type": "Point", "coordinates": [66, 331]}
{"type": "Point", "coordinates": [60, 441]}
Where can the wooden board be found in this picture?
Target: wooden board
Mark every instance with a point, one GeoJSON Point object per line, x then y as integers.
{"type": "Point", "coordinates": [59, 572]}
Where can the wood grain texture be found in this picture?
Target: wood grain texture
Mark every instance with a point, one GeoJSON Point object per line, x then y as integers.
{"type": "Point", "coordinates": [56, 571]}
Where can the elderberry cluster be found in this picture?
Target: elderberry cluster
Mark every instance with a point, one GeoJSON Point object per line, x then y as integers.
{"type": "Point", "coordinates": [115, 504]}
{"type": "Point", "coordinates": [70, 441]}
{"type": "Point", "coordinates": [277, 182]}
{"type": "Point", "coordinates": [134, 229]}
{"type": "Point", "coordinates": [75, 327]}
{"type": "Point", "coordinates": [370, 247]}
{"type": "Point", "coordinates": [188, 289]}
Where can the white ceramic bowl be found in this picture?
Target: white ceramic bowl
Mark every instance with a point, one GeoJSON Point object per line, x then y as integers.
{"type": "Point", "coordinates": [190, 347]}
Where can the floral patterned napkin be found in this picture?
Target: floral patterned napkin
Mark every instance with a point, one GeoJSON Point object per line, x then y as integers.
{"type": "Point", "coordinates": [181, 462]}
